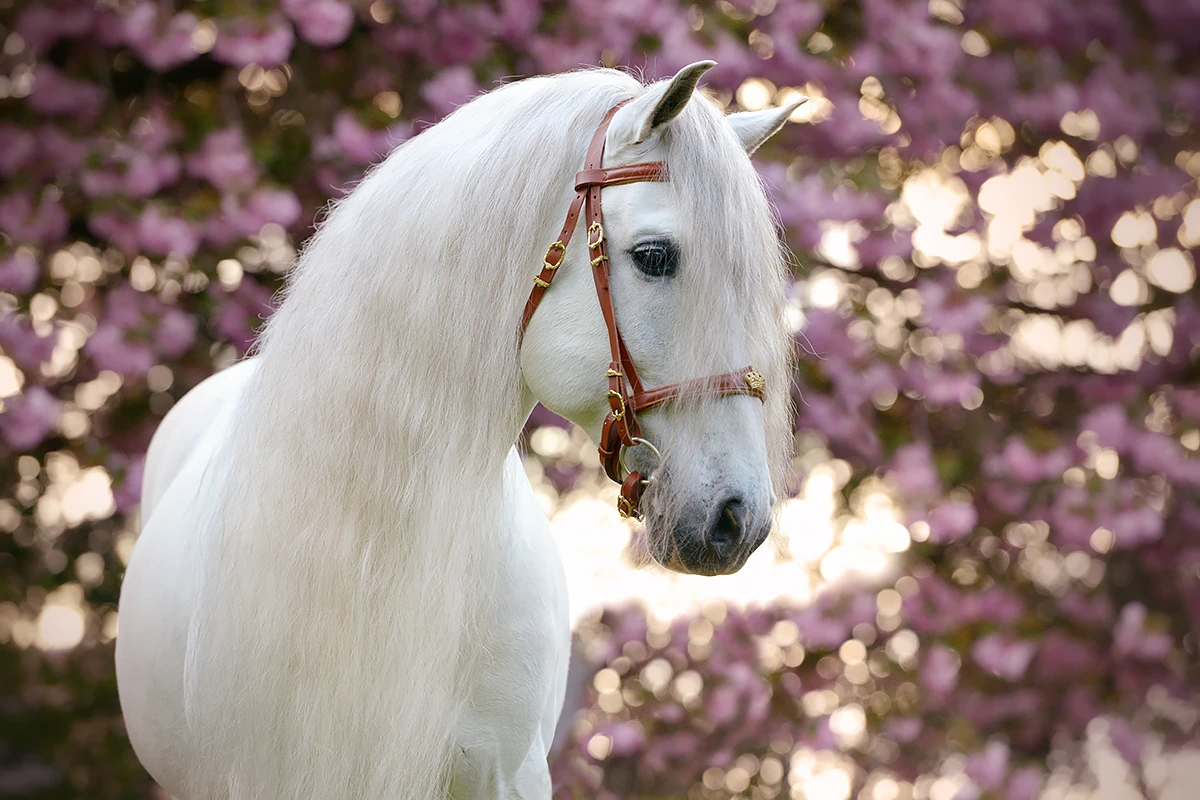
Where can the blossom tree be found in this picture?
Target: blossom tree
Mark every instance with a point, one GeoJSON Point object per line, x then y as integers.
{"type": "Point", "coordinates": [993, 208]}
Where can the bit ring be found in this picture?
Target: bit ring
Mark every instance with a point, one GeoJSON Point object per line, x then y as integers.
{"type": "Point", "coordinates": [640, 442]}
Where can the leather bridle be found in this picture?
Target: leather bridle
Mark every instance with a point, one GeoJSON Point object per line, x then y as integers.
{"type": "Point", "coordinates": [626, 395]}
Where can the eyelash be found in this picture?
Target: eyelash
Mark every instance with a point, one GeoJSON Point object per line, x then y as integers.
{"type": "Point", "coordinates": [656, 259]}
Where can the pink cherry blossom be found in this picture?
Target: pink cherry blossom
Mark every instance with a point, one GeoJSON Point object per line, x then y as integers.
{"type": "Point", "coordinates": [989, 767]}
{"type": "Point", "coordinates": [36, 222]}
{"type": "Point", "coordinates": [321, 22]}
{"type": "Point", "coordinates": [450, 88]}
{"type": "Point", "coordinates": [1131, 639]}
{"type": "Point", "coordinates": [162, 235]}
{"type": "Point", "coordinates": [1003, 656]}
{"type": "Point", "coordinates": [939, 674]}
{"type": "Point", "coordinates": [27, 348]}
{"type": "Point", "coordinates": [951, 520]}
{"type": "Point", "coordinates": [161, 45]}
{"type": "Point", "coordinates": [17, 146]}
{"type": "Point", "coordinates": [28, 418]}
{"type": "Point", "coordinates": [223, 160]}
{"type": "Point", "coordinates": [18, 272]}
{"type": "Point", "coordinates": [267, 43]}
{"type": "Point", "coordinates": [54, 93]}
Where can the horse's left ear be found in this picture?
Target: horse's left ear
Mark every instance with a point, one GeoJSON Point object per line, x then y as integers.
{"type": "Point", "coordinates": [662, 103]}
{"type": "Point", "coordinates": [755, 127]}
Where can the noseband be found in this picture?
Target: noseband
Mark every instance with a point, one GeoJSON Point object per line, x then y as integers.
{"type": "Point", "coordinates": [626, 395]}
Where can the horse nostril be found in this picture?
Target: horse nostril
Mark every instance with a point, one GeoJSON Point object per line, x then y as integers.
{"type": "Point", "coordinates": [728, 527]}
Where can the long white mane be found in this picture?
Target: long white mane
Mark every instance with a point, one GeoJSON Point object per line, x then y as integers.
{"type": "Point", "coordinates": [346, 571]}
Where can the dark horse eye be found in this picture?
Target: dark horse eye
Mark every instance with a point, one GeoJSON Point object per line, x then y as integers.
{"type": "Point", "coordinates": [657, 258]}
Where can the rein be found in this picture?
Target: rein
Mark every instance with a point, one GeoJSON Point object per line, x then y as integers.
{"type": "Point", "coordinates": [626, 395]}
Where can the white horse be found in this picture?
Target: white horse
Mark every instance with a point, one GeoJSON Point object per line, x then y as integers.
{"type": "Point", "coordinates": [344, 585]}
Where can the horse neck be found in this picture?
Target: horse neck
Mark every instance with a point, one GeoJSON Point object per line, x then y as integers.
{"type": "Point", "coordinates": [384, 382]}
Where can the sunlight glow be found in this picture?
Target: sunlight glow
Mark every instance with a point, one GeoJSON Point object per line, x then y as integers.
{"type": "Point", "coordinates": [816, 541]}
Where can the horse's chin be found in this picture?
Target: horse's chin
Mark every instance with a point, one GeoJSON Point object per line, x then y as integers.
{"type": "Point", "coordinates": [664, 549]}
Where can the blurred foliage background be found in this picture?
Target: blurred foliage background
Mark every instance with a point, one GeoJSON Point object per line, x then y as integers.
{"type": "Point", "coordinates": [987, 583]}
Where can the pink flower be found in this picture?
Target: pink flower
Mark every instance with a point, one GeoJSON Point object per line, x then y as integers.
{"type": "Point", "coordinates": [162, 235]}
{"type": "Point", "coordinates": [1157, 452]}
{"type": "Point", "coordinates": [18, 273]}
{"type": "Point", "coordinates": [223, 160]}
{"type": "Point", "coordinates": [109, 348]}
{"type": "Point", "coordinates": [903, 730]}
{"type": "Point", "coordinates": [17, 147]}
{"type": "Point", "coordinates": [627, 738]}
{"type": "Point", "coordinates": [939, 671]}
{"type": "Point", "coordinates": [1027, 466]}
{"type": "Point", "coordinates": [162, 47]}
{"type": "Point", "coordinates": [449, 89]}
{"type": "Point", "coordinates": [818, 631]}
{"type": "Point", "coordinates": [240, 312]}
{"type": "Point", "coordinates": [1132, 640]}
{"type": "Point", "coordinates": [1188, 403]}
{"type": "Point", "coordinates": [914, 472]}
{"type": "Point", "coordinates": [359, 144]}
{"type": "Point", "coordinates": [146, 174]}
{"type": "Point", "coordinates": [238, 220]}
{"type": "Point", "coordinates": [1063, 658]}
{"type": "Point", "coordinates": [28, 418]}
{"type": "Point", "coordinates": [952, 311]}
{"type": "Point", "coordinates": [23, 344]}
{"type": "Point", "coordinates": [127, 475]}
{"type": "Point", "coordinates": [137, 331]}
{"type": "Point", "coordinates": [279, 206]}
{"type": "Point", "coordinates": [241, 42]}
{"type": "Point", "coordinates": [44, 224]}
{"type": "Point", "coordinates": [1136, 525]}
{"type": "Point", "coordinates": [989, 767]}
{"type": "Point", "coordinates": [175, 334]}
{"type": "Point", "coordinates": [1111, 425]}
{"type": "Point", "coordinates": [1024, 784]}
{"type": "Point", "coordinates": [67, 152]}
{"type": "Point", "coordinates": [724, 705]}
{"type": "Point", "coordinates": [1003, 656]}
{"type": "Point", "coordinates": [323, 22]}
{"type": "Point", "coordinates": [120, 232]}
{"type": "Point", "coordinates": [100, 183]}
{"type": "Point", "coordinates": [1126, 741]}
{"type": "Point", "coordinates": [54, 93]}
{"type": "Point", "coordinates": [941, 388]}
{"type": "Point", "coordinates": [43, 25]}
{"type": "Point", "coordinates": [951, 521]}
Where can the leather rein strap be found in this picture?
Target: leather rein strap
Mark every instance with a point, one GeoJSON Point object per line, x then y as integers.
{"type": "Point", "coordinates": [626, 395]}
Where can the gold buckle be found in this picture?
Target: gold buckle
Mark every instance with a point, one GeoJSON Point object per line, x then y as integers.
{"type": "Point", "coordinates": [597, 230]}
{"type": "Point", "coordinates": [620, 402]}
{"type": "Point", "coordinates": [614, 373]}
{"type": "Point", "coordinates": [755, 381]}
{"type": "Point", "coordinates": [624, 507]}
{"type": "Point", "coordinates": [562, 248]}
{"type": "Point", "coordinates": [544, 284]}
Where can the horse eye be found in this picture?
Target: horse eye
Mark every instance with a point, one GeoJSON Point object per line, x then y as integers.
{"type": "Point", "coordinates": [657, 259]}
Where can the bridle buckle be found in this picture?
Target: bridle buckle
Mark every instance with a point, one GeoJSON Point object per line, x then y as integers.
{"type": "Point", "coordinates": [562, 254]}
{"type": "Point", "coordinates": [595, 230]}
{"type": "Point", "coordinates": [617, 411]}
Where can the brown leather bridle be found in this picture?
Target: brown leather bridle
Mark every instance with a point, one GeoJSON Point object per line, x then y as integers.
{"type": "Point", "coordinates": [626, 395]}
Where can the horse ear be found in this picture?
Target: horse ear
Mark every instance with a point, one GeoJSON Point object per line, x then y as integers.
{"type": "Point", "coordinates": [755, 127]}
{"type": "Point", "coordinates": [662, 103]}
